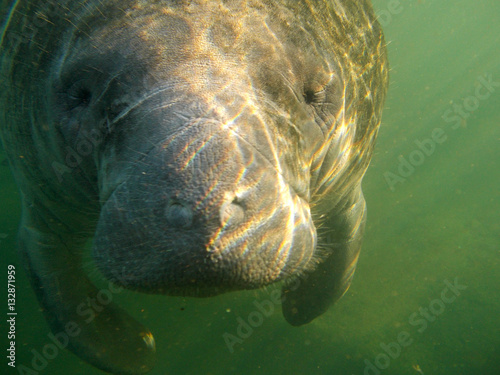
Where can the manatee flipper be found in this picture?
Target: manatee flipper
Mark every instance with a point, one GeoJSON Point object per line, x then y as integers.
{"type": "Point", "coordinates": [111, 339]}
{"type": "Point", "coordinates": [314, 292]}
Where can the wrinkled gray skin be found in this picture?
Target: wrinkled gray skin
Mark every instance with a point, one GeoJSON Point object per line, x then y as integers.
{"type": "Point", "coordinates": [206, 146]}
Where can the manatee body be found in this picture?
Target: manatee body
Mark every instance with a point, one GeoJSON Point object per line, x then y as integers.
{"type": "Point", "coordinates": [206, 146]}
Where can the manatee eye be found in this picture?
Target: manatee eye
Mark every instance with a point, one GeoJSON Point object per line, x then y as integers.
{"type": "Point", "coordinates": [78, 96]}
{"type": "Point", "coordinates": [81, 98]}
{"type": "Point", "coordinates": [313, 97]}
{"type": "Point", "coordinates": [309, 96]}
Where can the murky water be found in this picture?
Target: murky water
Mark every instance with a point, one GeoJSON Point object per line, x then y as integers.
{"type": "Point", "coordinates": [425, 296]}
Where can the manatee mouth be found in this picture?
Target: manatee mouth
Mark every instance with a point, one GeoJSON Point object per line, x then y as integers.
{"type": "Point", "coordinates": [238, 225]}
{"type": "Point", "coordinates": [194, 255]}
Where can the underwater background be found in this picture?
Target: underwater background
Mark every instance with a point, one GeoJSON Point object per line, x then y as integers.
{"type": "Point", "coordinates": [426, 295]}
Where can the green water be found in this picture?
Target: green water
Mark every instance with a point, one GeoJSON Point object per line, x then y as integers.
{"type": "Point", "coordinates": [429, 223]}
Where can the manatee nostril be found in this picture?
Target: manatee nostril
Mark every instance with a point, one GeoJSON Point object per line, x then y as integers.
{"type": "Point", "coordinates": [231, 213]}
{"type": "Point", "coordinates": [179, 215]}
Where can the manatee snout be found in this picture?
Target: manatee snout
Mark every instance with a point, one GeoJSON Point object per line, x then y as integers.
{"type": "Point", "coordinates": [204, 212]}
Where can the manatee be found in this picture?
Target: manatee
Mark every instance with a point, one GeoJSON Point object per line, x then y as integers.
{"type": "Point", "coordinates": [205, 146]}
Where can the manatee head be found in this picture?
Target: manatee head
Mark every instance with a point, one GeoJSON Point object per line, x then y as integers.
{"type": "Point", "coordinates": [209, 132]}
{"type": "Point", "coordinates": [205, 146]}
